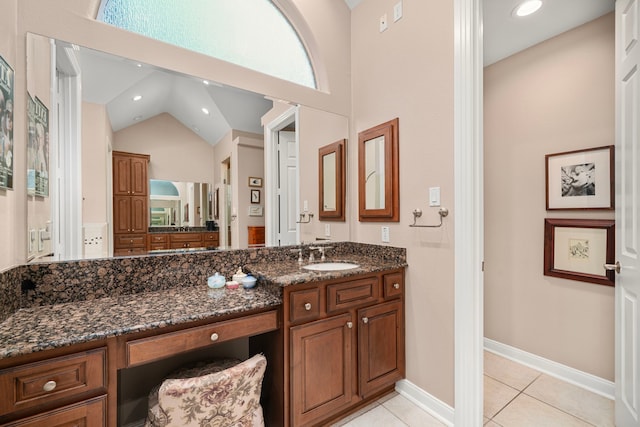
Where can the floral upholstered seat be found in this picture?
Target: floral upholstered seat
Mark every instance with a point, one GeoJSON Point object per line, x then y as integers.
{"type": "Point", "coordinates": [219, 394]}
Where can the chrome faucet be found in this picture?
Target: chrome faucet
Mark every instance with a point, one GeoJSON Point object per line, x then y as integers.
{"type": "Point", "coordinates": [321, 249]}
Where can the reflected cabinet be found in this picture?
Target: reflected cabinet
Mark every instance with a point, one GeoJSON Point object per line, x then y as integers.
{"type": "Point", "coordinates": [378, 174]}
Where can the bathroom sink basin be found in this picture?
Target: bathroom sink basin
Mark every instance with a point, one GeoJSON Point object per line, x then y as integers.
{"type": "Point", "coordinates": [330, 266]}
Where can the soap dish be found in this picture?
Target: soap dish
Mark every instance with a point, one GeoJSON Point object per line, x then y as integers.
{"type": "Point", "coordinates": [232, 284]}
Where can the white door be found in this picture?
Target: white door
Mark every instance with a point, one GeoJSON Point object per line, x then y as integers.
{"type": "Point", "coordinates": [627, 294]}
{"type": "Point", "coordinates": [288, 188]}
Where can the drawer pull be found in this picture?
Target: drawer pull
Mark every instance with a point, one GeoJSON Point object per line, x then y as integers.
{"type": "Point", "coordinates": [365, 320]}
{"type": "Point", "coordinates": [214, 337]}
{"type": "Point", "coordinates": [307, 306]}
{"type": "Point", "coordinates": [349, 325]}
{"type": "Point", "coordinates": [49, 386]}
{"type": "Point", "coordinates": [396, 286]}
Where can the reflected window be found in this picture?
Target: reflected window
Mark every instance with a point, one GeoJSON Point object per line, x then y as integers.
{"type": "Point", "coordinates": [251, 33]}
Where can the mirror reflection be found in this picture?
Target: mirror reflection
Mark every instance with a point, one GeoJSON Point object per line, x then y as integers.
{"type": "Point", "coordinates": [375, 179]}
{"type": "Point", "coordinates": [329, 182]}
{"type": "Point", "coordinates": [179, 204]}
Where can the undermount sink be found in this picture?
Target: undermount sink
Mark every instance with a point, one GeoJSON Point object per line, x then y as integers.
{"type": "Point", "coordinates": [330, 266]}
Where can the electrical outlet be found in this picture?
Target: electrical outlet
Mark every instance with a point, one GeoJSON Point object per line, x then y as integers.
{"type": "Point", "coordinates": [327, 230]}
{"type": "Point", "coordinates": [385, 234]}
{"type": "Point", "coordinates": [384, 24]}
{"type": "Point", "coordinates": [397, 11]}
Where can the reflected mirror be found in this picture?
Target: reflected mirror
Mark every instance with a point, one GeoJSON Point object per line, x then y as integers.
{"type": "Point", "coordinates": [179, 204]}
{"type": "Point", "coordinates": [378, 176]}
{"type": "Point", "coordinates": [332, 181]}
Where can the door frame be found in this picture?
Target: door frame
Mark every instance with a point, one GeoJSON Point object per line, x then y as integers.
{"type": "Point", "coordinates": [468, 214]}
{"type": "Point", "coordinates": [271, 130]}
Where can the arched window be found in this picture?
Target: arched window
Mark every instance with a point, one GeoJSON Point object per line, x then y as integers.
{"type": "Point", "coordinates": [251, 33]}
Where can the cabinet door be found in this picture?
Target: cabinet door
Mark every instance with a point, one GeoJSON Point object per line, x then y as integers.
{"type": "Point", "coordinates": [380, 346]}
{"type": "Point", "coordinates": [321, 368]}
{"type": "Point", "coordinates": [121, 175]}
{"type": "Point", "coordinates": [122, 214]}
{"type": "Point", "coordinates": [88, 413]}
{"type": "Point", "coordinates": [138, 176]}
{"type": "Point", "coordinates": [139, 214]}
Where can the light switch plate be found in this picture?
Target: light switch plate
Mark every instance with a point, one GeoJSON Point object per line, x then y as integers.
{"type": "Point", "coordinates": [397, 11]}
{"type": "Point", "coordinates": [434, 196]}
{"type": "Point", "coordinates": [385, 234]}
{"type": "Point", "coordinates": [384, 24]}
{"type": "Point", "coordinates": [327, 230]}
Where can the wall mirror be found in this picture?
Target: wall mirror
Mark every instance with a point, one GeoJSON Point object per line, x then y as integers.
{"type": "Point", "coordinates": [98, 111]}
{"type": "Point", "coordinates": [170, 201]}
{"type": "Point", "coordinates": [378, 175]}
{"type": "Point", "coordinates": [332, 181]}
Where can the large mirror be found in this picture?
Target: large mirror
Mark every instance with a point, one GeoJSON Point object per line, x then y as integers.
{"type": "Point", "coordinates": [192, 130]}
{"type": "Point", "coordinates": [332, 181]}
{"type": "Point", "coordinates": [378, 175]}
{"type": "Point", "coordinates": [179, 204]}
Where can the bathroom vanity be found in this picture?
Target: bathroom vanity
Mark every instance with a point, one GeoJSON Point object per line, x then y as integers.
{"type": "Point", "coordinates": [334, 340]}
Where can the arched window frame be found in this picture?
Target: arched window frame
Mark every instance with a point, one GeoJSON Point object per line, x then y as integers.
{"type": "Point", "coordinates": [302, 30]}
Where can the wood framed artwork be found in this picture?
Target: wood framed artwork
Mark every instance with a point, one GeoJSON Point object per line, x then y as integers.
{"type": "Point", "coordinates": [582, 179]}
{"type": "Point", "coordinates": [255, 196]}
{"type": "Point", "coordinates": [255, 182]}
{"type": "Point", "coordinates": [577, 249]}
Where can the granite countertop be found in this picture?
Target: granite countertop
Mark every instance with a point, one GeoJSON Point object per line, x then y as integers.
{"type": "Point", "coordinates": [291, 272]}
{"type": "Point", "coordinates": [41, 328]}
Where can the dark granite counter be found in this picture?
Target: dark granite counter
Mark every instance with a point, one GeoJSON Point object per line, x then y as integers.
{"type": "Point", "coordinates": [286, 273]}
{"type": "Point", "coordinates": [45, 327]}
{"type": "Point", "coordinates": [51, 305]}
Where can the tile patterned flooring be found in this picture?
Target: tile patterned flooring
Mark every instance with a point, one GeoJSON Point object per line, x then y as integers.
{"type": "Point", "coordinates": [514, 396]}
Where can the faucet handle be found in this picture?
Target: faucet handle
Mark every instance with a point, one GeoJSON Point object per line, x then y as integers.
{"type": "Point", "coordinates": [299, 250]}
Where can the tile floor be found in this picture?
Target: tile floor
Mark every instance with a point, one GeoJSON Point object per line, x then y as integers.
{"type": "Point", "coordinates": [514, 396]}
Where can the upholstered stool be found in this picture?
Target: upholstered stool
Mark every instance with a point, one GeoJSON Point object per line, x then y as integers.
{"type": "Point", "coordinates": [225, 392]}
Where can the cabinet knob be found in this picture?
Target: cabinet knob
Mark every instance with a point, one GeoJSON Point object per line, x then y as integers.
{"type": "Point", "coordinates": [131, 240]}
{"type": "Point", "coordinates": [307, 306]}
{"type": "Point", "coordinates": [214, 337]}
{"type": "Point", "coordinates": [49, 386]}
{"type": "Point", "coordinates": [349, 325]}
{"type": "Point", "coordinates": [365, 320]}
{"type": "Point", "coordinates": [396, 286]}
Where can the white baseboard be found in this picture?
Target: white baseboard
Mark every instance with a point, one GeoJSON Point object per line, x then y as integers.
{"type": "Point", "coordinates": [435, 407]}
{"type": "Point", "coordinates": [579, 378]}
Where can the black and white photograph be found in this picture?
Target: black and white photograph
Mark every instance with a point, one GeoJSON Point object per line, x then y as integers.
{"type": "Point", "coordinates": [38, 148]}
{"type": "Point", "coordinates": [581, 179]}
{"type": "Point", "coordinates": [255, 182]}
{"type": "Point", "coordinates": [255, 196]}
{"type": "Point", "coordinates": [6, 125]}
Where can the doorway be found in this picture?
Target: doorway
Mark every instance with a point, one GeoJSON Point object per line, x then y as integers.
{"type": "Point", "coordinates": [282, 178]}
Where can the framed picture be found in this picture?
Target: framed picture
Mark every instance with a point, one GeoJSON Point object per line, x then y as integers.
{"type": "Point", "coordinates": [577, 249]}
{"type": "Point", "coordinates": [255, 196]}
{"type": "Point", "coordinates": [6, 125]}
{"type": "Point", "coordinates": [255, 182]}
{"type": "Point", "coordinates": [582, 179]}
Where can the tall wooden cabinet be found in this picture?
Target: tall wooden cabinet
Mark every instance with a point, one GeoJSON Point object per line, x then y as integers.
{"type": "Point", "coordinates": [344, 341]}
{"type": "Point", "coordinates": [130, 203]}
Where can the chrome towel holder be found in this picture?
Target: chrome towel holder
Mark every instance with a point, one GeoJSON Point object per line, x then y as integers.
{"type": "Point", "coordinates": [417, 213]}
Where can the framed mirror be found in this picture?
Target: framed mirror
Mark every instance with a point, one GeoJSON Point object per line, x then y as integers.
{"type": "Point", "coordinates": [378, 174]}
{"type": "Point", "coordinates": [332, 181]}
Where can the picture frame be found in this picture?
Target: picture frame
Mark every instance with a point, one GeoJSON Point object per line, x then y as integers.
{"type": "Point", "coordinates": [577, 249]}
{"type": "Point", "coordinates": [255, 196]}
{"type": "Point", "coordinates": [580, 179]}
{"type": "Point", "coordinates": [255, 182]}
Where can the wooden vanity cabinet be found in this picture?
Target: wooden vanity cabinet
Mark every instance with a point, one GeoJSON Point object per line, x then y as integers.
{"type": "Point", "coordinates": [68, 389]}
{"type": "Point", "coordinates": [345, 341]}
{"type": "Point", "coordinates": [130, 203]}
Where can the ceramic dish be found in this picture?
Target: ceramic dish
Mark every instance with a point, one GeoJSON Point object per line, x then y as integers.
{"type": "Point", "coordinates": [232, 284]}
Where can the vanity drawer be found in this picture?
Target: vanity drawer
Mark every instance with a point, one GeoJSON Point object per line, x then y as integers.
{"type": "Point", "coordinates": [343, 296]}
{"type": "Point", "coordinates": [130, 241]}
{"type": "Point", "coordinates": [186, 237]}
{"type": "Point", "coordinates": [304, 305]}
{"type": "Point", "coordinates": [393, 285]}
{"type": "Point", "coordinates": [210, 238]}
{"type": "Point", "coordinates": [160, 346]}
{"type": "Point", "coordinates": [42, 382]}
{"type": "Point", "coordinates": [158, 238]}
{"type": "Point", "coordinates": [91, 412]}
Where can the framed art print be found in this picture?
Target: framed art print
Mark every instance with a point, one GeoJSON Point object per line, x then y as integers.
{"type": "Point", "coordinates": [577, 249]}
{"type": "Point", "coordinates": [582, 179]}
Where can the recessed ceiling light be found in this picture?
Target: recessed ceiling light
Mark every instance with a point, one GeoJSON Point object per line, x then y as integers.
{"type": "Point", "coordinates": [137, 118]}
{"type": "Point", "coordinates": [527, 8]}
{"type": "Point", "coordinates": [139, 65]}
{"type": "Point", "coordinates": [206, 82]}
{"type": "Point", "coordinates": [137, 98]}
{"type": "Point", "coordinates": [196, 128]}
{"type": "Point", "coordinates": [204, 110]}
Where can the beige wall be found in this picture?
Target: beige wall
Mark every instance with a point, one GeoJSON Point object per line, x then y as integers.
{"type": "Point", "coordinates": [13, 202]}
{"type": "Point", "coordinates": [177, 153]}
{"type": "Point", "coordinates": [557, 96]}
{"type": "Point", "coordinates": [96, 137]}
{"type": "Point", "coordinates": [407, 72]}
